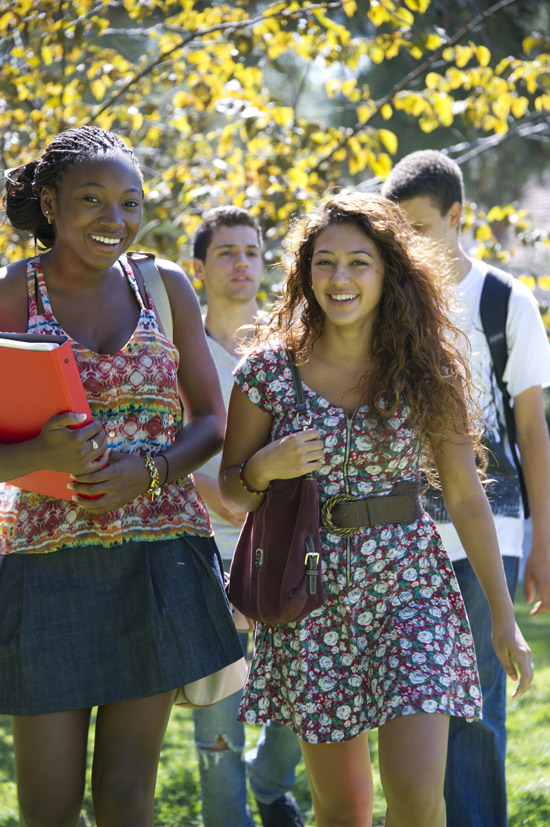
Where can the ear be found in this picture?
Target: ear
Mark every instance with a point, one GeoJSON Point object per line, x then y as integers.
{"type": "Point", "coordinates": [455, 215]}
{"type": "Point", "coordinates": [198, 268]}
{"type": "Point", "coordinates": [47, 203]}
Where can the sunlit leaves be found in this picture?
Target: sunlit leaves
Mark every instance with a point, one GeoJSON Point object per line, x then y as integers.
{"type": "Point", "coordinates": [260, 104]}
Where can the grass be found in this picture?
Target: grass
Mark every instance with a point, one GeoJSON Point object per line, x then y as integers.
{"type": "Point", "coordinates": [177, 799]}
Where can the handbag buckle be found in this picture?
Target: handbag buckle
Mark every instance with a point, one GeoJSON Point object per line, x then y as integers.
{"type": "Point", "coordinates": [312, 569]}
{"type": "Point", "coordinates": [302, 420]}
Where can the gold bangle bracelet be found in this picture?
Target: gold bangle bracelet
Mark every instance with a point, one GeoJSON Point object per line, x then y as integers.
{"type": "Point", "coordinates": [154, 487]}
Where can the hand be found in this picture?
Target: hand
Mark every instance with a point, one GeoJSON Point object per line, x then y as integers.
{"type": "Point", "coordinates": [512, 649]}
{"type": "Point", "coordinates": [64, 444]}
{"type": "Point", "coordinates": [209, 490]}
{"type": "Point", "coordinates": [291, 456]}
{"type": "Point", "coordinates": [537, 580]}
{"type": "Point", "coordinates": [120, 481]}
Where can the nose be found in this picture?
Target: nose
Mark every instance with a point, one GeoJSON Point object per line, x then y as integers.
{"type": "Point", "coordinates": [241, 259]}
{"type": "Point", "coordinates": [111, 215]}
{"type": "Point", "coordinates": [340, 272]}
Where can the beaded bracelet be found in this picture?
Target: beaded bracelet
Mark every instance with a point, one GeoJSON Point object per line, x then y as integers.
{"type": "Point", "coordinates": [245, 485]}
{"type": "Point", "coordinates": [154, 487]}
{"type": "Point", "coordinates": [165, 480]}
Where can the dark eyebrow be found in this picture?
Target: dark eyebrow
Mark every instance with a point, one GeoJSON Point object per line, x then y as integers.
{"type": "Point", "coordinates": [103, 187]}
{"type": "Point", "coordinates": [350, 252]}
{"type": "Point", "coordinates": [222, 246]}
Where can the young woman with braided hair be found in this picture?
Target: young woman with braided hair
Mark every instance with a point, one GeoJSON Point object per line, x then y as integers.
{"type": "Point", "coordinates": [363, 311]}
{"type": "Point", "coordinates": [117, 600]}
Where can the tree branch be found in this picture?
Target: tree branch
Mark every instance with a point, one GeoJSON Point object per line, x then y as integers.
{"type": "Point", "coordinates": [415, 73]}
{"type": "Point", "coordinates": [231, 26]}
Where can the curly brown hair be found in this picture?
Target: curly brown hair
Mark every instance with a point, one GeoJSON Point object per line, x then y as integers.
{"type": "Point", "coordinates": [415, 358]}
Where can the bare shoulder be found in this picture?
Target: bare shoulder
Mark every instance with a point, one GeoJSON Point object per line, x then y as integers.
{"type": "Point", "coordinates": [13, 297]}
{"type": "Point", "coordinates": [175, 279]}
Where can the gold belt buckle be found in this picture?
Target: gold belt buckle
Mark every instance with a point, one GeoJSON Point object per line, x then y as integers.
{"type": "Point", "coordinates": [326, 515]}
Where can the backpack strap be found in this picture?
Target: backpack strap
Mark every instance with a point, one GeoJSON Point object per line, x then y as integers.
{"type": "Point", "coordinates": [493, 309]}
{"type": "Point", "coordinates": [145, 263]}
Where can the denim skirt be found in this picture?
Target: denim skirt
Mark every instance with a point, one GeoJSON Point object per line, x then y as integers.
{"type": "Point", "coordinates": [89, 626]}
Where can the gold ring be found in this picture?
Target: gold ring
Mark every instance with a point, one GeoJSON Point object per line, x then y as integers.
{"type": "Point", "coordinates": [95, 446]}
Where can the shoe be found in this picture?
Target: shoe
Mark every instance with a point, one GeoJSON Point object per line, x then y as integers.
{"type": "Point", "coordinates": [283, 812]}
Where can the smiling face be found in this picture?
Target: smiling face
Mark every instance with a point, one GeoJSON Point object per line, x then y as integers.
{"type": "Point", "coordinates": [232, 267]}
{"type": "Point", "coordinates": [96, 209]}
{"type": "Point", "coordinates": [347, 275]}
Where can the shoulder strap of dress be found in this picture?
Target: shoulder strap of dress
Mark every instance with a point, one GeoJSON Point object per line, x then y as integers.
{"type": "Point", "coordinates": [36, 281]}
{"type": "Point", "coordinates": [145, 263]}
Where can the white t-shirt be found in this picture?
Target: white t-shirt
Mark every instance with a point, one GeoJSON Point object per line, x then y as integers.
{"type": "Point", "coordinates": [225, 533]}
{"type": "Point", "coordinates": [528, 365]}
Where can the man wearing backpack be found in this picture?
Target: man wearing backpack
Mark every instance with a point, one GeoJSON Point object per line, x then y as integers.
{"type": "Point", "coordinates": [510, 360]}
{"type": "Point", "coordinates": [227, 258]}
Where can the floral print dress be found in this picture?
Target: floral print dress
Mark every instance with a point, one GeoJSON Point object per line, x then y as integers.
{"type": "Point", "coordinates": [392, 638]}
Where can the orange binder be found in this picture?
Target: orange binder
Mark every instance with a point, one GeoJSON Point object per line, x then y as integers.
{"type": "Point", "coordinates": [36, 384]}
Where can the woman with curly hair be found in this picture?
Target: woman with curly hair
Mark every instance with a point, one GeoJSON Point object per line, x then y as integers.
{"type": "Point", "coordinates": [363, 313]}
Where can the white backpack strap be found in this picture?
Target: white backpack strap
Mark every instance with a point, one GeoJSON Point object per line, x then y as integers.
{"type": "Point", "coordinates": [145, 263]}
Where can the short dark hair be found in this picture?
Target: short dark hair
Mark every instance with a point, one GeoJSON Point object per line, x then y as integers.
{"type": "Point", "coordinates": [221, 217]}
{"type": "Point", "coordinates": [426, 172]}
{"type": "Point", "coordinates": [24, 183]}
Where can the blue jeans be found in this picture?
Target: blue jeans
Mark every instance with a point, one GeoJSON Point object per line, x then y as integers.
{"type": "Point", "coordinates": [475, 781]}
{"type": "Point", "coordinates": [223, 772]}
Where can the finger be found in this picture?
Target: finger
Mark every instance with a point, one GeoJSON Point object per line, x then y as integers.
{"type": "Point", "coordinates": [539, 608]}
{"type": "Point", "coordinates": [526, 679]}
{"type": "Point", "coordinates": [67, 419]}
{"type": "Point", "coordinates": [529, 589]}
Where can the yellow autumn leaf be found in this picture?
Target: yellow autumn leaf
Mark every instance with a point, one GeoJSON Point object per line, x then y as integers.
{"type": "Point", "coordinates": [98, 88]}
{"type": "Point", "coordinates": [483, 233]}
{"type": "Point", "coordinates": [519, 107]}
{"type": "Point", "coordinates": [529, 43]}
{"type": "Point", "coordinates": [442, 106]}
{"type": "Point", "coordinates": [463, 55]}
{"type": "Point", "coordinates": [389, 140]}
{"type": "Point", "coordinates": [350, 7]}
{"type": "Point", "coordinates": [418, 5]}
{"type": "Point", "coordinates": [432, 80]}
{"type": "Point", "coordinates": [530, 281]}
{"type": "Point", "coordinates": [544, 282]}
{"type": "Point", "coordinates": [495, 214]}
{"type": "Point", "coordinates": [483, 55]}
{"type": "Point", "coordinates": [433, 42]}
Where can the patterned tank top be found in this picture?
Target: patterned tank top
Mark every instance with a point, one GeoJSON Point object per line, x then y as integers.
{"type": "Point", "coordinates": [134, 394]}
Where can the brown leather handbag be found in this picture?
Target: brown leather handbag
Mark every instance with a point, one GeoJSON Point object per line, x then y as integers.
{"type": "Point", "coordinates": [276, 572]}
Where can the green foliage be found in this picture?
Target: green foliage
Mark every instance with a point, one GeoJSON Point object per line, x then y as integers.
{"type": "Point", "coordinates": [261, 104]}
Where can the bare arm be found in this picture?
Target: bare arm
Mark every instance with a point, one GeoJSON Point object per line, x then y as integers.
{"type": "Point", "coordinates": [534, 445]}
{"type": "Point", "coordinates": [209, 489]}
{"type": "Point", "coordinates": [471, 515]}
{"type": "Point", "coordinates": [247, 440]}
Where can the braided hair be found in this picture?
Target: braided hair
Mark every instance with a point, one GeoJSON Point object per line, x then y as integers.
{"type": "Point", "coordinates": [24, 183]}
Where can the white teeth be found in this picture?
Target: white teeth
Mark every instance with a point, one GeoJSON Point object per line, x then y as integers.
{"type": "Point", "coordinates": [343, 297]}
{"type": "Point", "coordinates": [104, 240]}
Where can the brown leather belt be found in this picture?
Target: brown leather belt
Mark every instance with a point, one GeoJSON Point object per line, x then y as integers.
{"type": "Point", "coordinates": [343, 514]}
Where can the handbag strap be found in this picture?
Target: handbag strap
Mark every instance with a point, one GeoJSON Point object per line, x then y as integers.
{"type": "Point", "coordinates": [303, 416]}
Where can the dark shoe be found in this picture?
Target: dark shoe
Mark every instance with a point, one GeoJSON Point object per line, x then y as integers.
{"type": "Point", "coordinates": [283, 812]}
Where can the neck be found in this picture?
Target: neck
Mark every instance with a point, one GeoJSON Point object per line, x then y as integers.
{"type": "Point", "coordinates": [223, 319]}
{"type": "Point", "coordinates": [461, 263]}
{"type": "Point", "coordinates": [348, 348]}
